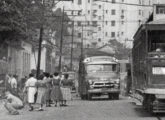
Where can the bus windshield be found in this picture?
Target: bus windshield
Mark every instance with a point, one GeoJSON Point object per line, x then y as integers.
{"type": "Point", "coordinates": [102, 67]}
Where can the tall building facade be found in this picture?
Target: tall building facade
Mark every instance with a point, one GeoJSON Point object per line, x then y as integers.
{"type": "Point", "coordinates": [112, 19]}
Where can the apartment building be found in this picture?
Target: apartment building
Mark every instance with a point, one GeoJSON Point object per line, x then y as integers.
{"type": "Point", "coordinates": [112, 19]}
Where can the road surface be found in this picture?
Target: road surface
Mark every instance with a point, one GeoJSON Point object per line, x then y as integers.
{"type": "Point", "coordinates": [98, 109]}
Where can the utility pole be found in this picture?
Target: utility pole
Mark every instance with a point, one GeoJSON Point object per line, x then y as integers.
{"type": "Point", "coordinates": [71, 60]}
{"type": "Point", "coordinates": [61, 42]}
{"type": "Point", "coordinates": [40, 42]}
{"type": "Point", "coordinates": [103, 22]}
{"type": "Point", "coordinates": [39, 51]}
{"type": "Point", "coordinates": [82, 44]}
{"type": "Point", "coordinates": [41, 38]}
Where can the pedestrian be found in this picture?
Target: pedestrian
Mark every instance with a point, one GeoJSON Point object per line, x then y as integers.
{"type": "Point", "coordinates": [8, 79]}
{"type": "Point", "coordinates": [66, 90]}
{"type": "Point", "coordinates": [56, 94]}
{"type": "Point", "coordinates": [49, 79]}
{"type": "Point", "coordinates": [30, 86]}
{"type": "Point", "coordinates": [13, 85]}
{"type": "Point", "coordinates": [76, 87]}
{"type": "Point", "coordinates": [41, 88]}
{"type": "Point", "coordinates": [12, 103]}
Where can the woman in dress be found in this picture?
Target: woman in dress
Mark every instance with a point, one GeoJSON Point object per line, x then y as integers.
{"type": "Point", "coordinates": [56, 91]}
{"type": "Point", "coordinates": [66, 90]}
{"type": "Point", "coordinates": [41, 89]}
{"type": "Point", "coordinates": [48, 89]}
{"type": "Point", "coordinates": [30, 87]}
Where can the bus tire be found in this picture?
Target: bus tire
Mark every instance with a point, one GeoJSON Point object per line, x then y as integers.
{"type": "Point", "coordinates": [82, 97]}
{"type": "Point", "coordinates": [89, 96]}
{"type": "Point", "coordinates": [116, 96]}
{"type": "Point", "coordinates": [110, 96]}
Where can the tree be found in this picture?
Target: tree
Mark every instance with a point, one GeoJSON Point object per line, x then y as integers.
{"type": "Point", "coordinates": [121, 51]}
{"type": "Point", "coordinates": [12, 25]}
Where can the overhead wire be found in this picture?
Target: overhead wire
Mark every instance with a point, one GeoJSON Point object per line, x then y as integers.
{"type": "Point", "coordinates": [123, 3]}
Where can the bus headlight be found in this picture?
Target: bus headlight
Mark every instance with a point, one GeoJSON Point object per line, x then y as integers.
{"type": "Point", "coordinates": [90, 82]}
{"type": "Point", "coordinates": [91, 86]}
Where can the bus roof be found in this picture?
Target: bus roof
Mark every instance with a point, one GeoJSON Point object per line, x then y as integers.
{"type": "Point", "coordinates": [101, 60]}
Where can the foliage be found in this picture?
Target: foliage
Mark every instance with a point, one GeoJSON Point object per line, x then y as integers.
{"type": "Point", "coordinates": [11, 20]}
{"type": "Point", "coordinates": [121, 51]}
{"type": "Point", "coordinates": [20, 19]}
{"type": "Point", "coordinates": [56, 25]}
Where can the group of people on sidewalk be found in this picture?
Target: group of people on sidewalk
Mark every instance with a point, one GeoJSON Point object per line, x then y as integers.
{"type": "Point", "coordinates": [45, 90]}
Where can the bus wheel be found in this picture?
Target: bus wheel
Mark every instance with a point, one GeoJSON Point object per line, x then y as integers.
{"type": "Point", "coordinates": [116, 96]}
{"type": "Point", "coordinates": [82, 97]}
{"type": "Point", "coordinates": [110, 96]}
{"type": "Point", "coordinates": [144, 103]}
{"type": "Point", "coordinates": [89, 96]}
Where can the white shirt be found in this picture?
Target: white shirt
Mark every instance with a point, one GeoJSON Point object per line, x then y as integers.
{"type": "Point", "coordinates": [13, 83]}
{"type": "Point", "coordinates": [31, 82]}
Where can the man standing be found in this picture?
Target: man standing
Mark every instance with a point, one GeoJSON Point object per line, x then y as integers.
{"type": "Point", "coordinates": [30, 86]}
{"type": "Point", "coordinates": [13, 84]}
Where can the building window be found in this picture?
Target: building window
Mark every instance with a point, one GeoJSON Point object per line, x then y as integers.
{"type": "Point", "coordinates": [79, 35]}
{"type": "Point", "coordinates": [106, 22]}
{"type": "Point", "coordinates": [139, 12]}
{"type": "Point", "coordinates": [99, 28]}
{"type": "Point", "coordinates": [139, 21]}
{"type": "Point", "coordinates": [94, 11]}
{"type": "Point", "coordinates": [79, 23]}
{"type": "Point", "coordinates": [106, 34]}
{"type": "Point", "coordinates": [113, 23]}
{"type": "Point", "coordinates": [88, 11]}
{"type": "Point", "coordinates": [149, 2]}
{"type": "Point", "coordinates": [99, 39]}
{"type": "Point", "coordinates": [140, 2]}
{"type": "Point", "coordinates": [106, 11]}
{"type": "Point", "coordinates": [122, 11]}
{"type": "Point", "coordinates": [122, 22]}
{"type": "Point", "coordinates": [122, 33]}
{"type": "Point", "coordinates": [72, 12]}
{"type": "Point", "coordinates": [112, 34]}
{"type": "Point", "coordinates": [94, 23]}
{"type": "Point", "coordinates": [122, 0]}
{"type": "Point", "coordinates": [88, 1]}
{"type": "Point", "coordinates": [99, 17]}
{"type": "Point", "coordinates": [113, 12]}
{"type": "Point", "coordinates": [113, 1]}
{"type": "Point", "coordinates": [99, 6]}
{"type": "Point", "coordinates": [88, 23]}
{"type": "Point", "coordinates": [160, 10]}
{"type": "Point", "coordinates": [79, 2]}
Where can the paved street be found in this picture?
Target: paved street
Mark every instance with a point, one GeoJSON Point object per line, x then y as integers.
{"type": "Point", "coordinates": [123, 109]}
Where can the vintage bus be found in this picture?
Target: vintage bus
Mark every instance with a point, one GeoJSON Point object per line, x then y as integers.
{"type": "Point", "coordinates": [99, 75]}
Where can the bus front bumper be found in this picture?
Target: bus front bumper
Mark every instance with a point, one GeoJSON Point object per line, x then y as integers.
{"type": "Point", "coordinates": [104, 91]}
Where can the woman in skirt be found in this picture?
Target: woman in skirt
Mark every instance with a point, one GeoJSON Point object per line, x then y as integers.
{"type": "Point", "coordinates": [48, 89]}
{"type": "Point", "coordinates": [56, 94]}
{"type": "Point", "coordinates": [66, 90]}
{"type": "Point", "coordinates": [41, 88]}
